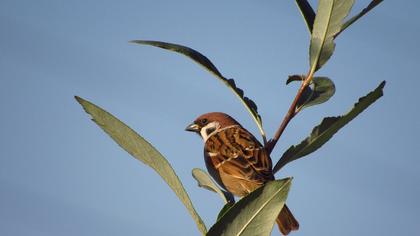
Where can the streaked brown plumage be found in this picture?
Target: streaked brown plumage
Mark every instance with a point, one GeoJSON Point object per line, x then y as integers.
{"type": "Point", "coordinates": [237, 160]}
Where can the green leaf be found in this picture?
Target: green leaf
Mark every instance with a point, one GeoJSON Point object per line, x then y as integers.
{"type": "Point", "coordinates": [328, 127]}
{"type": "Point", "coordinates": [292, 78]}
{"type": "Point", "coordinates": [205, 181]}
{"type": "Point", "coordinates": [206, 63]}
{"type": "Point", "coordinates": [191, 53]}
{"type": "Point", "coordinates": [320, 91]}
{"type": "Point", "coordinates": [254, 214]}
{"type": "Point", "coordinates": [371, 5]}
{"type": "Point", "coordinates": [323, 89]}
{"type": "Point", "coordinates": [143, 151]}
{"type": "Point", "coordinates": [307, 12]}
{"type": "Point", "coordinates": [225, 209]}
{"type": "Point", "coordinates": [328, 23]}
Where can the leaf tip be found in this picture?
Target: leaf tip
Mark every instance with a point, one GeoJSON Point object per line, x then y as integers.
{"type": "Point", "coordinates": [137, 41]}
{"type": "Point", "coordinates": [194, 172]}
{"type": "Point", "coordinates": [84, 103]}
{"type": "Point", "coordinates": [380, 88]}
{"type": "Point", "coordinates": [292, 78]}
{"type": "Point", "coordinates": [289, 179]}
{"type": "Point", "coordinates": [382, 85]}
{"type": "Point", "coordinates": [79, 99]}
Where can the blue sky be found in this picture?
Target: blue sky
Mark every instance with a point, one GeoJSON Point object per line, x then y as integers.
{"type": "Point", "coordinates": [61, 175]}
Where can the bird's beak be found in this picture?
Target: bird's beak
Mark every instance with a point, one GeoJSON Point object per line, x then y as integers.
{"type": "Point", "coordinates": [193, 128]}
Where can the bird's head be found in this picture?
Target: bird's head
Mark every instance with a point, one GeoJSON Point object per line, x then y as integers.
{"type": "Point", "coordinates": [209, 123]}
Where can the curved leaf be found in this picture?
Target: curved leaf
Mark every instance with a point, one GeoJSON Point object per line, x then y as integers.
{"type": "Point", "coordinates": [328, 23]}
{"type": "Point", "coordinates": [189, 52]}
{"type": "Point", "coordinates": [206, 63]}
{"type": "Point", "coordinates": [143, 151]}
{"type": "Point", "coordinates": [328, 127]}
{"type": "Point", "coordinates": [292, 78]}
{"type": "Point", "coordinates": [323, 89]}
{"type": "Point", "coordinates": [205, 181]}
{"type": "Point", "coordinates": [371, 5]}
{"type": "Point", "coordinates": [320, 91]}
{"type": "Point", "coordinates": [254, 214]}
{"type": "Point", "coordinates": [307, 12]}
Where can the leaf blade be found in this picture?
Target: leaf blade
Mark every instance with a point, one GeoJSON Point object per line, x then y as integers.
{"type": "Point", "coordinates": [320, 90]}
{"type": "Point", "coordinates": [225, 209]}
{"type": "Point", "coordinates": [349, 22]}
{"type": "Point", "coordinates": [186, 51]}
{"type": "Point", "coordinates": [254, 214]}
{"type": "Point", "coordinates": [206, 63]}
{"type": "Point", "coordinates": [307, 12]}
{"type": "Point", "coordinates": [328, 127]}
{"type": "Point", "coordinates": [205, 181]}
{"type": "Point", "coordinates": [327, 24]}
{"type": "Point", "coordinates": [143, 151]}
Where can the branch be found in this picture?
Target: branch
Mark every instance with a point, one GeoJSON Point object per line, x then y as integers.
{"type": "Point", "coordinates": [289, 115]}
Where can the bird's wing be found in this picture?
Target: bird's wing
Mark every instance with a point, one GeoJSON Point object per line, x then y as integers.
{"type": "Point", "coordinates": [239, 154]}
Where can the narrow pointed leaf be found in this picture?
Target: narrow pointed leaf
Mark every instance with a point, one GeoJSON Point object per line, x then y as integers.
{"type": "Point", "coordinates": [143, 151]}
{"type": "Point", "coordinates": [328, 127]}
{"type": "Point", "coordinates": [206, 63]}
{"type": "Point", "coordinates": [371, 5]}
{"type": "Point", "coordinates": [189, 52]}
{"type": "Point", "coordinates": [205, 181]}
{"type": "Point", "coordinates": [254, 214]}
{"type": "Point", "coordinates": [307, 12]}
{"type": "Point", "coordinates": [328, 23]}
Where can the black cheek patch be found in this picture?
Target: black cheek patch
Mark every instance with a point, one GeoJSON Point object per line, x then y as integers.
{"type": "Point", "coordinates": [210, 130]}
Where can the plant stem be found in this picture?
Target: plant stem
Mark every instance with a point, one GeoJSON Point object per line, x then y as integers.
{"type": "Point", "coordinates": [290, 113]}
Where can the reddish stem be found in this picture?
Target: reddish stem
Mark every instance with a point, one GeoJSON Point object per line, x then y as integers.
{"type": "Point", "coordinates": [289, 116]}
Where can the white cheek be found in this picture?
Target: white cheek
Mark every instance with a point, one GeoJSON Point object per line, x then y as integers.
{"type": "Point", "coordinates": [205, 134]}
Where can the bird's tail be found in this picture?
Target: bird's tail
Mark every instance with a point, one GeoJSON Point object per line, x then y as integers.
{"type": "Point", "coordinates": [286, 221]}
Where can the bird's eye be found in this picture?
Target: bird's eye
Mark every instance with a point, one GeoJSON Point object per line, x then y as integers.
{"type": "Point", "coordinates": [204, 121]}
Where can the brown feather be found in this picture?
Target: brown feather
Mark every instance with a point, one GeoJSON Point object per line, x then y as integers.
{"type": "Point", "coordinates": [237, 156]}
{"type": "Point", "coordinates": [286, 221]}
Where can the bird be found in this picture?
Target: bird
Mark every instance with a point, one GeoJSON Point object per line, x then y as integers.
{"type": "Point", "coordinates": [236, 160]}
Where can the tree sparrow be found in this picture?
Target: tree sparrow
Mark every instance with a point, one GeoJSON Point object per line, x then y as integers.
{"type": "Point", "coordinates": [237, 160]}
